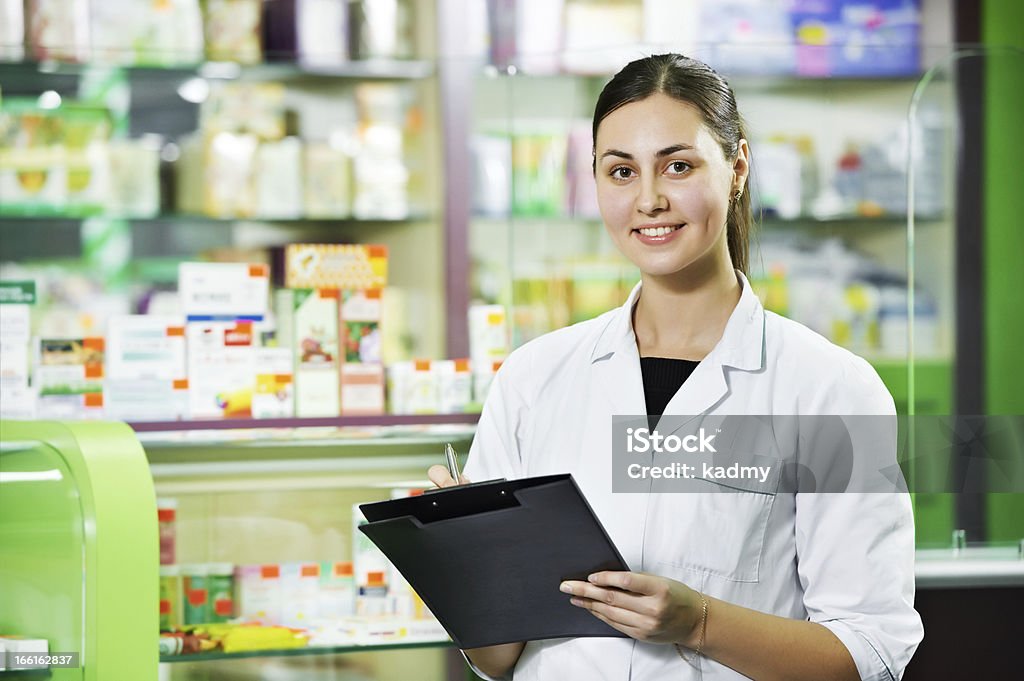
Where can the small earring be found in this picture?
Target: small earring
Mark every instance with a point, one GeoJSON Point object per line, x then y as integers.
{"type": "Point", "coordinates": [737, 195]}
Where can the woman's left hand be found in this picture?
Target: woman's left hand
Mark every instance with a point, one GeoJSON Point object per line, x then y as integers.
{"type": "Point", "coordinates": [642, 606]}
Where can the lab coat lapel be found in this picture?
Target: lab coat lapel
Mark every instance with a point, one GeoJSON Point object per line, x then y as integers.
{"type": "Point", "coordinates": [615, 362]}
{"type": "Point", "coordinates": [740, 347]}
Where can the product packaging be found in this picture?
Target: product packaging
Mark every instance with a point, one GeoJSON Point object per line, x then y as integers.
{"type": "Point", "coordinates": [16, 300]}
{"type": "Point", "coordinates": [327, 182]}
{"type": "Point", "coordinates": [259, 593]}
{"type": "Point", "coordinates": [68, 378]}
{"type": "Point", "coordinates": [600, 37]}
{"type": "Point", "coordinates": [134, 177]}
{"type": "Point", "coordinates": [229, 173]}
{"type": "Point", "coordinates": [170, 597]}
{"type": "Point", "coordinates": [880, 38]}
{"type": "Point", "coordinates": [338, 266]}
{"type": "Point", "coordinates": [166, 514]}
{"type": "Point", "coordinates": [381, 176]}
{"type": "Point", "coordinates": [455, 385]}
{"type": "Point", "coordinates": [310, 318]}
{"type": "Point", "coordinates": [58, 29]}
{"type": "Point", "coordinates": [161, 33]}
{"type": "Point", "coordinates": [538, 174]}
{"type": "Point", "coordinates": [221, 586]}
{"type": "Point", "coordinates": [86, 132]}
{"type": "Point", "coordinates": [492, 174]}
{"type": "Point", "coordinates": [146, 373]}
{"type": "Point", "coordinates": [362, 389]}
{"type": "Point", "coordinates": [383, 29]}
{"type": "Point", "coordinates": [221, 369]}
{"type": "Point", "coordinates": [279, 179]}
{"type": "Point", "coordinates": [361, 318]}
{"type": "Point", "coordinates": [337, 590]}
{"type": "Point", "coordinates": [747, 36]}
{"type": "Point", "coordinates": [223, 291]}
{"type": "Point", "coordinates": [300, 591]}
{"type": "Point", "coordinates": [488, 334]}
{"type": "Point", "coordinates": [195, 585]}
{"type": "Point", "coordinates": [274, 395]}
{"type": "Point", "coordinates": [251, 108]}
{"type": "Point", "coordinates": [232, 30]}
{"type": "Point", "coordinates": [313, 33]}
{"type": "Point", "coordinates": [12, 31]}
{"type": "Point", "coordinates": [483, 377]}
{"type": "Point", "coordinates": [33, 166]}
{"type": "Point", "coordinates": [535, 39]}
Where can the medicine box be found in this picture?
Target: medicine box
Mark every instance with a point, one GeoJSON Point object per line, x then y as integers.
{"type": "Point", "coordinates": [309, 317]}
{"type": "Point", "coordinates": [210, 291]}
{"type": "Point", "coordinates": [221, 368]}
{"type": "Point", "coordinates": [340, 266]}
{"type": "Point", "coordinates": [68, 377]}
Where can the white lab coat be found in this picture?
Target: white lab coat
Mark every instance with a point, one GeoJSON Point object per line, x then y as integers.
{"type": "Point", "coordinates": [843, 560]}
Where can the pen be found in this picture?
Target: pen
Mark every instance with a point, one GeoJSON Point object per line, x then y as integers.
{"type": "Point", "coordinates": [453, 462]}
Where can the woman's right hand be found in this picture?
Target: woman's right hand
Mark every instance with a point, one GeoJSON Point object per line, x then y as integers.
{"type": "Point", "coordinates": [440, 476]}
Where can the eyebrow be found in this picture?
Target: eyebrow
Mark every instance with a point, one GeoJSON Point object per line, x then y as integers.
{"type": "Point", "coordinates": [667, 151]}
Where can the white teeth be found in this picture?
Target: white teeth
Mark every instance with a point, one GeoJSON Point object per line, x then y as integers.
{"type": "Point", "coordinates": [658, 231]}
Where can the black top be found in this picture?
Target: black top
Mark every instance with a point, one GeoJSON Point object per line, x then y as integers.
{"type": "Point", "coordinates": [662, 379]}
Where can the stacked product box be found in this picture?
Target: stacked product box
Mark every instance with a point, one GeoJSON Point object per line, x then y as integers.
{"type": "Point", "coordinates": [308, 326]}
{"type": "Point", "coordinates": [488, 345]}
{"type": "Point", "coordinates": [16, 300]}
{"type": "Point", "coordinates": [146, 375]}
{"type": "Point", "coordinates": [223, 303]}
{"type": "Point", "coordinates": [424, 386]}
{"type": "Point", "coordinates": [330, 315]}
{"type": "Point", "coordinates": [68, 377]}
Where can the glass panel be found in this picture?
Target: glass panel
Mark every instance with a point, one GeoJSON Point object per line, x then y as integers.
{"type": "Point", "coordinates": [945, 141]}
{"type": "Point", "coordinates": [282, 509]}
{"type": "Point", "coordinates": [42, 550]}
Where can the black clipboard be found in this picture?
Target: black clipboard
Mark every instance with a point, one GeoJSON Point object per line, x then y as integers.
{"type": "Point", "coordinates": [487, 558]}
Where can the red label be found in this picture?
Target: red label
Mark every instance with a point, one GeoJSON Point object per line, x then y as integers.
{"type": "Point", "coordinates": [165, 606]}
{"type": "Point", "coordinates": [197, 597]}
{"type": "Point", "coordinates": [270, 571]}
{"type": "Point", "coordinates": [223, 607]}
{"type": "Point", "coordinates": [240, 335]}
{"type": "Point", "coordinates": [312, 570]}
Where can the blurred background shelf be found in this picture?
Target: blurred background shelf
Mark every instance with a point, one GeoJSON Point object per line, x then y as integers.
{"type": "Point", "coordinates": [31, 74]}
{"type": "Point", "coordinates": [308, 650]}
{"type": "Point", "coordinates": [327, 422]}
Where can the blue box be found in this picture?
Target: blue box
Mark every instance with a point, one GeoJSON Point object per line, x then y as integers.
{"type": "Point", "coordinates": [857, 38]}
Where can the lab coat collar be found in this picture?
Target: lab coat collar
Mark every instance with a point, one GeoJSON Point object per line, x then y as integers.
{"type": "Point", "coordinates": [741, 346]}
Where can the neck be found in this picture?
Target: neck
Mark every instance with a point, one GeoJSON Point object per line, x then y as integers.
{"type": "Point", "coordinates": [683, 316]}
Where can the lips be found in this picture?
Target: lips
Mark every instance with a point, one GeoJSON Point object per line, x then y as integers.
{"type": "Point", "coordinates": [656, 234]}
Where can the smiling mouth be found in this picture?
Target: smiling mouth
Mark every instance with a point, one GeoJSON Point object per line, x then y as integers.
{"type": "Point", "coordinates": [657, 231]}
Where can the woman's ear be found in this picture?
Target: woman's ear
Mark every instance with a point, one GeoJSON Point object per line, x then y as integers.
{"type": "Point", "coordinates": [741, 166]}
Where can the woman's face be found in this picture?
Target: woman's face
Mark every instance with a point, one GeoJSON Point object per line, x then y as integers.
{"type": "Point", "coordinates": [664, 185]}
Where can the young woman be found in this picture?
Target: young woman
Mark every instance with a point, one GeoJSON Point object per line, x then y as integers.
{"type": "Point", "coordinates": [756, 584]}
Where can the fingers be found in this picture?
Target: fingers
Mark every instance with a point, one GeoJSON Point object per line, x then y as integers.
{"type": "Point", "coordinates": [635, 582]}
{"type": "Point", "coordinates": [440, 476]}
{"type": "Point", "coordinates": [612, 597]}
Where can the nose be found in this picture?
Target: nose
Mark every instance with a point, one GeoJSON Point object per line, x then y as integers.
{"type": "Point", "coordinates": [650, 200]}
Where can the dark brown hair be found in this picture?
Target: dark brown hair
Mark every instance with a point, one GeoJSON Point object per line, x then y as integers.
{"type": "Point", "coordinates": [696, 83]}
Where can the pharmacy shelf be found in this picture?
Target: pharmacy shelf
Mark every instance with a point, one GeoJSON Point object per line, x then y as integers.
{"type": "Point", "coordinates": [384, 420]}
{"type": "Point", "coordinates": [887, 220]}
{"type": "Point", "coordinates": [308, 650]}
{"type": "Point", "coordinates": [29, 72]}
{"type": "Point", "coordinates": [54, 218]}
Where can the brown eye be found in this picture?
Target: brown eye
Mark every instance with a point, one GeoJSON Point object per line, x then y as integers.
{"type": "Point", "coordinates": [679, 167]}
{"type": "Point", "coordinates": [621, 173]}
